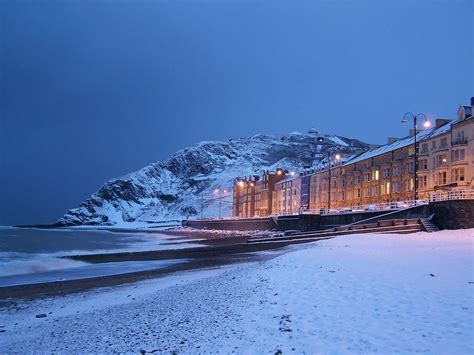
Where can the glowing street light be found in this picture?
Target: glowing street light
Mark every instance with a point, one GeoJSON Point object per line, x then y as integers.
{"type": "Point", "coordinates": [222, 192]}
{"type": "Point", "coordinates": [426, 124]}
{"type": "Point", "coordinates": [338, 158]}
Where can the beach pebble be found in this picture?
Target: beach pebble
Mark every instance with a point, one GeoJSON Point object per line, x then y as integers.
{"type": "Point", "coordinates": [42, 315]}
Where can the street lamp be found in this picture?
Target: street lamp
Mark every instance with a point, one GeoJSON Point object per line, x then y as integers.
{"type": "Point", "coordinates": [338, 158]}
{"type": "Point", "coordinates": [426, 124]}
{"type": "Point", "coordinates": [220, 192]}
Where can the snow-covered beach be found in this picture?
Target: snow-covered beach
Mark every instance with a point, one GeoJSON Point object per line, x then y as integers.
{"type": "Point", "coordinates": [357, 293]}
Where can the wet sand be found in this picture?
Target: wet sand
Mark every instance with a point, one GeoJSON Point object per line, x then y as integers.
{"type": "Point", "coordinates": [215, 252]}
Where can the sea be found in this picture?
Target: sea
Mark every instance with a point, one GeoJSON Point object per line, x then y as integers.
{"type": "Point", "coordinates": [33, 255]}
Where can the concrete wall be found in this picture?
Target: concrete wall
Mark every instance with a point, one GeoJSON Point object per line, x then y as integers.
{"type": "Point", "coordinates": [303, 222]}
{"type": "Point", "coordinates": [453, 214]}
{"type": "Point", "coordinates": [333, 220]}
{"type": "Point", "coordinates": [245, 224]}
{"type": "Point", "coordinates": [421, 211]}
{"type": "Point", "coordinates": [447, 215]}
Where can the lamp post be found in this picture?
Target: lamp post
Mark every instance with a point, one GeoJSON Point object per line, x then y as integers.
{"type": "Point", "coordinates": [220, 191]}
{"type": "Point", "coordinates": [338, 157]}
{"type": "Point", "coordinates": [426, 124]}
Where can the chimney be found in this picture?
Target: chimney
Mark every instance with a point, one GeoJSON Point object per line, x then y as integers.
{"type": "Point", "coordinates": [390, 140]}
{"type": "Point", "coordinates": [441, 122]}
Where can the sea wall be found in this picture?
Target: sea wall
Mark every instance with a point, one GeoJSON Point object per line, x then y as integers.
{"type": "Point", "coordinates": [455, 214]}
{"type": "Point", "coordinates": [447, 215]}
{"type": "Point", "coordinates": [245, 224]}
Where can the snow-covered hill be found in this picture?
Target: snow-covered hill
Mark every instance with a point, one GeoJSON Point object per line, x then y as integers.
{"type": "Point", "coordinates": [184, 184]}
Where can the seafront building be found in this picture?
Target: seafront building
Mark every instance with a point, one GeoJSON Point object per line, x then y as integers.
{"type": "Point", "coordinates": [380, 177]}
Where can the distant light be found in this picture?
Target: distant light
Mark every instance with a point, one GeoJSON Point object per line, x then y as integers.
{"type": "Point", "coordinates": [338, 157]}
{"type": "Point", "coordinates": [427, 124]}
{"type": "Point", "coordinates": [251, 184]}
{"type": "Point", "coordinates": [292, 173]}
{"type": "Point", "coordinates": [225, 191]}
{"type": "Point", "coordinates": [241, 183]}
{"type": "Point", "coordinates": [216, 190]}
{"type": "Point", "coordinates": [278, 172]}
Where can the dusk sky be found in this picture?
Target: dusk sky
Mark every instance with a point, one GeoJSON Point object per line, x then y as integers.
{"type": "Point", "coordinates": [92, 90]}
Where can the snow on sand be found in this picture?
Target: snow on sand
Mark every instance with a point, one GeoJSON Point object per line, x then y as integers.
{"type": "Point", "coordinates": [358, 293]}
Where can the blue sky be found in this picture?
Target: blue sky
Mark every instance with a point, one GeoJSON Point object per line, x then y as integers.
{"type": "Point", "coordinates": [91, 90]}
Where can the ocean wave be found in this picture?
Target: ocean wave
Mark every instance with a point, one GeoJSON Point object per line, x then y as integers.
{"type": "Point", "coordinates": [22, 263]}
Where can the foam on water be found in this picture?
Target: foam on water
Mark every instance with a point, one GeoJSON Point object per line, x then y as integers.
{"type": "Point", "coordinates": [38, 254]}
{"type": "Point", "coordinates": [23, 263]}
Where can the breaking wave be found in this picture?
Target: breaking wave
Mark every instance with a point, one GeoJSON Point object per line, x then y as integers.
{"type": "Point", "coordinates": [23, 263]}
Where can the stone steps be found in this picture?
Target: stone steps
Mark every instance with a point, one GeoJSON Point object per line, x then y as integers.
{"type": "Point", "coordinates": [404, 227]}
{"type": "Point", "coordinates": [429, 226]}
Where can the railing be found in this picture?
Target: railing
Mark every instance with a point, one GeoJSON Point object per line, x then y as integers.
{"type": "Point", "coordinates": [459, 142]}
{"type": "Point", "coordinates": [452, 195]}
{"type": "Point", "coordinates": [386, 206]}
{"type": "Point", "coordinates": [370, 207]}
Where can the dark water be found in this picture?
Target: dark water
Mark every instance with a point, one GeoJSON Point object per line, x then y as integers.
{"type": "Point", "coordinates": [36, 253]}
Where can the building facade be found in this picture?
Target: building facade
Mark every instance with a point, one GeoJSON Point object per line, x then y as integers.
{"type": "Point", "coordinates": [384, 176]}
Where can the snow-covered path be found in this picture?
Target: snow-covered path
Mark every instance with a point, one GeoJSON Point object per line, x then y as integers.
{"type": "Point", "coordinates": [358, 293]}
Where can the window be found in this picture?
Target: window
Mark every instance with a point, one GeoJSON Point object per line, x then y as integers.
{"type": "Point", "coordinates": [460, 137]}
{"type": "Point", "coordinates": [458, 155]}
{"type": "Point", "coordinates": [397, 186]}
{"type": "Point", "coordinates": [375, 190]}
{"type": "Point", "coordinates": [367, 177]}
{"type": "Point", "coordinates": [457, 174]}
{"type": "Point", "coordinates": [386, 173]}
{"type": "Point", "coordinates": [422, 181]}
{"type": "Point", "coordinates": [385, 188]}
{"type": "Point", "coordinates": [440, 160]}
{"type": "Point", "coordinates": [424, 148]}
{"type": "Point", "coordinates": [444, 142]}
{"type": "Point", "coordinates": [433, 145]}
{"type": "Point", "coordinates": [396, 171]}
{"type": "Point", "coordinates": [358, 193]}
{"type": "Point", "coordinates": [423, 164]}
{"type": "Point", "coordinates": [367, 192]}
{"type": "Point", "coordinates": [375, 175]}
{"type": "Point", "coordinates": [440, 178]}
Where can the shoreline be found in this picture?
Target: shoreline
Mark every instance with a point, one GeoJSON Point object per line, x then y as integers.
{"type": "Point", "coordinates": [12, 294]}
{"type": "Point", "coordinates": [216, 252]}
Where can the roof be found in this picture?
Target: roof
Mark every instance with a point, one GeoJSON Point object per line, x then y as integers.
{"type": "Point", "coordinates": [401, 143]}
{"type": "Point", "coordinates": [467, 110]}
